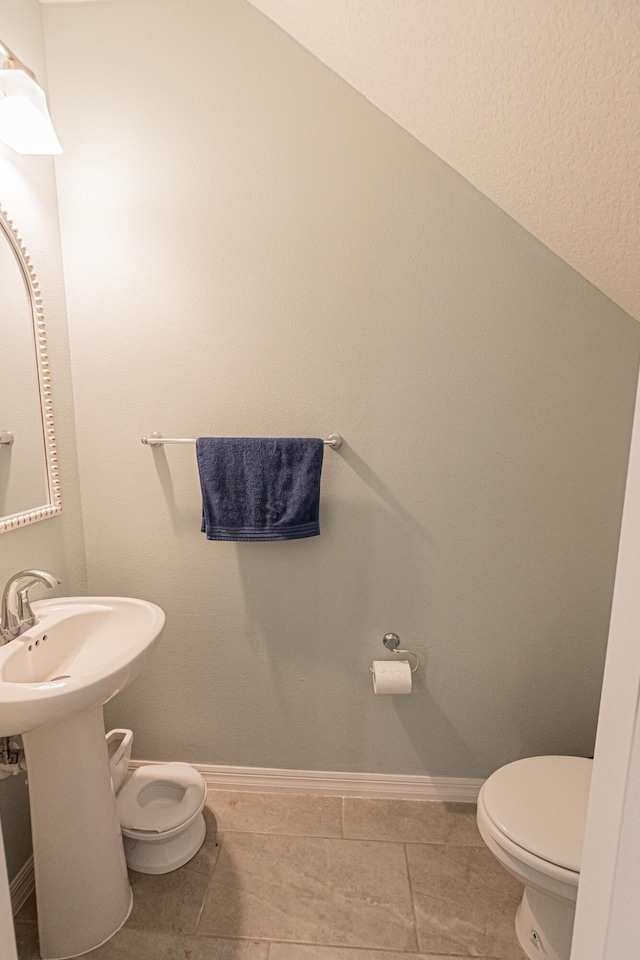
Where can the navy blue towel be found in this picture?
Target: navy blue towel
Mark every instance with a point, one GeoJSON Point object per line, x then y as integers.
{"type": "Point", "coordinates": [255, 489]}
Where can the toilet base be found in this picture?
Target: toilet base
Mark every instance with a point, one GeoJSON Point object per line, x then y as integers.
{"type": "Point", "coordinates": [544, 926]}
{"type": "Point", "coordinates": [153, 854]}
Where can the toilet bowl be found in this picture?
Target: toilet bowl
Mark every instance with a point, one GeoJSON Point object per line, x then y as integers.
{"type": "Point", "coordinates": [531, 815]}
{"type": "Point", "coordinates": [160, 809]}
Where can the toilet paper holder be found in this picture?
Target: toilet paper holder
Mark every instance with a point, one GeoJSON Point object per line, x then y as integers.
{"type": "Point", "coordinates": [392, 643]}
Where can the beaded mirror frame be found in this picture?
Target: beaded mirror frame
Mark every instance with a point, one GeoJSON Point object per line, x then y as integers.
{"type": "Point", "coordinates": [54, 504]}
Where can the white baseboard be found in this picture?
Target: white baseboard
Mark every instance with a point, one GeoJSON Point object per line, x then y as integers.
{"type": "Point", "coordinates": [22, 885]}
{"type": "Point", "coordinates": [369, 785]}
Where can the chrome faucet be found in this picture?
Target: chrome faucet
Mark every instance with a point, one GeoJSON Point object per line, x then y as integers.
{"type": "Point", "coordinates": [17, 615]}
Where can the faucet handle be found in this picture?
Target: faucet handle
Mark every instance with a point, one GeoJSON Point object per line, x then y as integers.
{"type": "Point", "coordinates": [25, 614]}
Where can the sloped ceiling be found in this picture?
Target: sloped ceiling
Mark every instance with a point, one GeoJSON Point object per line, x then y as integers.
{"type": "Point", "coordinates": [536, 104]}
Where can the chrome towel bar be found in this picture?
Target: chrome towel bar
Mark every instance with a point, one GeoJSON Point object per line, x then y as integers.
{"type": "Point", "coordinates": [334, 441]}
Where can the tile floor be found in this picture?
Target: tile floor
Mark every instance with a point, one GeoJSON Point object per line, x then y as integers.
{"type": "Point", "coordinates": [320, 878]}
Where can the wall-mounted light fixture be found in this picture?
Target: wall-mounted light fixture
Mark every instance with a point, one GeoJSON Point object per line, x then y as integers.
{"type": "Point", "coordinates": [25, 124]}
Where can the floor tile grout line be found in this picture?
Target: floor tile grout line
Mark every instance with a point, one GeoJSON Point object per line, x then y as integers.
{"type": "Point", "coordinates": [270, 943]}
{"type": "Point", "coordinates": [412, 897]}
{"type": "Point", "coordinates": [306, 943]}
{"type": "Point", "coordinates": [326, 946]}
{"type": "Point", "coordinates": [324, 836]}
{"type": "Point", "coordinates": [411, 955]}
{"type": "Point", "coordinates": [313, 836]}
{"type": "Point", "coordinates": [302, 836]}
{"type": "Point", "coordinates": [206, 891]}
{"type": "Point", "coordinates": [310, 943]}
{"type": "Point", "coordinates": [316, 836]}
{"type": "Point", "coordinates": [377, 950]}
{"type": "Point", "coordinates": [204, 900]}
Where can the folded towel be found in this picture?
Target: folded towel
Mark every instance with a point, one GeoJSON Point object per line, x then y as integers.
{"type": "Point", "coordinates": [254, 489]}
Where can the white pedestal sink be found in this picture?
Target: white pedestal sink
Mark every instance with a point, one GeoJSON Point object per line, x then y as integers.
{"type": "Point", "coordinates": [54, 681]}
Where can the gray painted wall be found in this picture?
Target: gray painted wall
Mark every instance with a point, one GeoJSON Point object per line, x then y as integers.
{"type": "Point", "coordinates": [28, 192]}
{"type": "Point", "coordinates": [252, 248]}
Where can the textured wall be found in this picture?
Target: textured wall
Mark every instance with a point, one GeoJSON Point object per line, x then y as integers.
{"type": "Point", "coordinates": [27, 191]}
{"type": "Point", "coordinates": [535, 103]}
{"type": "Point", "coordinates": [252, 248]}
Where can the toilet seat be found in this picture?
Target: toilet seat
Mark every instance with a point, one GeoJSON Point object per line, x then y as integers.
{"type": "Point", "coordinates": [160, 798]}
{"type": "Point", "coordinates": [539, 804]}
{"type": "Point", "coordinates": [564, 882]}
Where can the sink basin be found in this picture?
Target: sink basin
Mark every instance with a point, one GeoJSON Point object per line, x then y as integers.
{"type": "Point", "coordinates": [54, 682]}
{"type": "Point", "coordinates": [81, 653]}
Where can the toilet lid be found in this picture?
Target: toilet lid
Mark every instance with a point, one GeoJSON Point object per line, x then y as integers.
{"type": "Point", "coordinates": [541, 804]}
{"type": "Point", "coordinates": [152, 799]}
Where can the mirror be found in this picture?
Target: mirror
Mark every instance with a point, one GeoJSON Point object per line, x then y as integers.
{"type": "Point", "coordinates": [29, 485]}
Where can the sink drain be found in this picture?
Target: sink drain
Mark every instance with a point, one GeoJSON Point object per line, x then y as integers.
{"type": "Point", "coordinates": [63, 676]}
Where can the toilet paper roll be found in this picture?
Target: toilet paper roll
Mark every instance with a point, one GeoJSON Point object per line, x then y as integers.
{"type": "Point", "coordinates": [391, 676]}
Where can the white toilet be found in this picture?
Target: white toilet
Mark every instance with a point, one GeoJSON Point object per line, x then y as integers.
{"type": "Point", "coordinates": [159, 806]}
{"type": "Point", "coordinates": [531, 815]}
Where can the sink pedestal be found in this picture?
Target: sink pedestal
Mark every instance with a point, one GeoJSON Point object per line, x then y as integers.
{"type": "Point", "coordinates": [54, 679]}
{"type": "Point", "coordinates": [82, 887]}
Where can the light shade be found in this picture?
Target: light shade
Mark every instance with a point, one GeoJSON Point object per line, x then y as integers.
{"type": "Point", "coordinates": [25, 124]}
